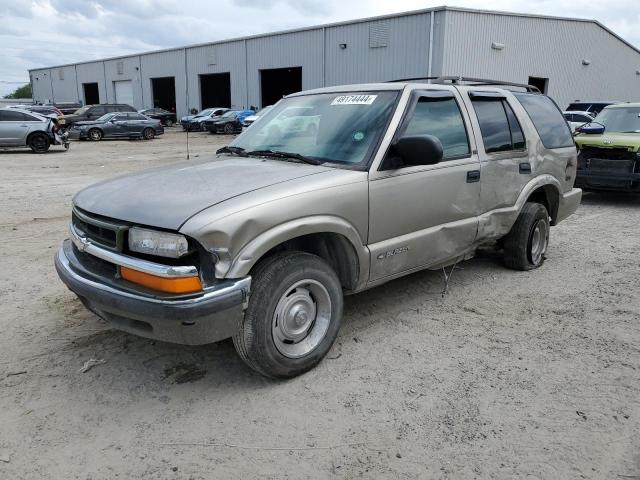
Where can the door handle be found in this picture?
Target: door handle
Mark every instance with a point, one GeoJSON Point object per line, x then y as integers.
{"type": "Point", "coordinates": [473, 176]}
{"type": "Point", "coordinates": [525, 168]}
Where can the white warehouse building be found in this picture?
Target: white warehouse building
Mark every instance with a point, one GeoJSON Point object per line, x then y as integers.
{"type": "Point", "coordinates": [566, 58]}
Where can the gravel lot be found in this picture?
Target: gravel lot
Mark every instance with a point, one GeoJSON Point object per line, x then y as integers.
{"type": "Point", "coordinates": [509, 375]}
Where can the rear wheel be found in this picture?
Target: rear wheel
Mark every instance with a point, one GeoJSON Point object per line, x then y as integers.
{"type": "Point", "coordinates": [39, 143]}
{"type": "Point", "coordinates": [228, 129]}
{"type": "Point", "coordinates": [148, 134]}
{"type": "Point", "coordinates": [526, 243]}
{"type": "Point", "coordinates": [293, 317]}
{"type": "Point", "coordinates": [95, 134]}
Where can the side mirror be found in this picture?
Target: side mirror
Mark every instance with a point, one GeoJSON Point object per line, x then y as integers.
{"type": "Point", "coordinates": [419, 149]}
{"type": "Point", "coordinates": [591, 129]}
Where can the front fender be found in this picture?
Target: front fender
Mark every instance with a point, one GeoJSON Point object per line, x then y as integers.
{"type": "Point", "coordinates": [256, 248]}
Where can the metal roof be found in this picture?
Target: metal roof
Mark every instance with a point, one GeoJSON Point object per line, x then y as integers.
{"type": "Point", "coordinates": [351, 22]}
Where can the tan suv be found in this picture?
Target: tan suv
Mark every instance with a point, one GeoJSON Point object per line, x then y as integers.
{"type": "Point", "coordinates": [261, 242]}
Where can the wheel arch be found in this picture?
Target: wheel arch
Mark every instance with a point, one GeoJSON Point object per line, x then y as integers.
{"type": "Point", "coordinates": [331, 238]}
{"type": "Point", "coordinates": [37, 132]}
{"type": "Point", "coordinates": [547, 194]}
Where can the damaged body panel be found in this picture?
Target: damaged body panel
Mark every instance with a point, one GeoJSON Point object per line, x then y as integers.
{"type": "Point", "coordinates": [260, 242]}
{"type": "Point", "coordinates": [609, 150]}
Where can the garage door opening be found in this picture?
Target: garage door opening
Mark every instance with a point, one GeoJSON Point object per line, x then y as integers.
{"type": "Point", "coordinates": [278, 82]}
{"type": "Point", "coordinates": [164, 93]}
{"type": "Point", "coordinates": [91, 94]}
{"type": "Point", "coordinates": [541, 83]}
{"type": "Point", "coordinates": [123, 90]}
{"type": "Point", "coordinates": [215, 90]}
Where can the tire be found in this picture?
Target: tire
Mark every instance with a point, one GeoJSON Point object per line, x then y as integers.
{"type": "Point", "coordinates": [228, 129]}
{"type": "Point", "coordinates": [95, 134]}
{"type": "Point", "coordinates": [526, 243]}
{"type": "Point", "coordinates": [39, 142]}
{"type": "Point", "coordinates": [168, 122]}
{"type": "Point", "coordinates": [148, 134]}
{"type": "Point", "coordinates": [303, 288]}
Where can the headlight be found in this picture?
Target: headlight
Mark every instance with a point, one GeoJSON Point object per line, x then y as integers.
{"type": "Point", "coordinates": [152, 242]}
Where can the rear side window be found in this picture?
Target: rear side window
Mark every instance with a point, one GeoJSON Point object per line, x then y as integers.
{"type": "Point", "coordinates": [13, 116]}
{"type": "Point", "coordinates": [136, 116]}
{"type": "Point", "coordinates": [99, 111]}
{"type": "Point", "coordinates": [548, 120]}
{"type": "Point", "coordinates": [440, 117]}
{"type": "Point", "coordinates": [501, 131]}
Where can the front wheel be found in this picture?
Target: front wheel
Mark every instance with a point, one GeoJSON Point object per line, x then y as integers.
{"type": "Point", "coordinates": [293, 317]}
{"type": "Point", "coordinates": [168, 122]}
{"type": "Point", "coordinates": [228, 129]}
{"type": "Point", "coordinates": [39, 143]}
{"type": "Point", "coordinates": [148, 134]}
{"type": "Point", "coordinates": [526, 243]}
{"type": "Point", "coordinates": [95, 134]}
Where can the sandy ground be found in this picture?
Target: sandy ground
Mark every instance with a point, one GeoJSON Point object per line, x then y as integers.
{"type": "Point", "coordinates": [510, 375]}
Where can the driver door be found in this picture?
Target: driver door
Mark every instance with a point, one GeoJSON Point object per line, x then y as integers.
{"type": "Point", "coordinates": [424, 216]}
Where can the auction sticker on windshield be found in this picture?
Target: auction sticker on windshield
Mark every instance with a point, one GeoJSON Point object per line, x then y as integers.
{"type": "Point", "coordinates": [354, 100]}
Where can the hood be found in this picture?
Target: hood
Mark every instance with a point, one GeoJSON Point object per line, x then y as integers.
{"type": "Point", "coordinates": [167, 197]}
{"type": "Point", "coordinates": [186, 118]}
{"type": "Point", "coordinates": [610, 140]}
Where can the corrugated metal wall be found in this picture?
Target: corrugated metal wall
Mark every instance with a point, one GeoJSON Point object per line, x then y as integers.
{"type": "Point", "coordinates": [158, 65]}
{"type": "Point", "coordinates": [91, 73]}
{"type": "Point", "coordinates": [377, 50]}
{"type": "Point", "coordinates": [541, 47]}
{"type": "Point", "coordinates": [403, 51]}
{"type": "Point", "coordinates": [216, 58]}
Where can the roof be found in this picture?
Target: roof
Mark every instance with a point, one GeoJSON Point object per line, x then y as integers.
{"type": "Point", "coordinates": [623, 105]}
{"type": "Point", "coordinates": [353, 22]}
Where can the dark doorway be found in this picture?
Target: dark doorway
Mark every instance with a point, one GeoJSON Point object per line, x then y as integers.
{"type": "Point", "coordinates": [163, 91]}
{"type": "Point", "coordinates": [278, 82]}
{"type": "Point", "coordinates": [541, 83]}
{"type": "Point", "coordinates": [215, 90]}
{"type": "Point", "coordinates": [91, 94]}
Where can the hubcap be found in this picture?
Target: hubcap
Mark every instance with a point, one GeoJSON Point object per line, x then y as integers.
{"type": "Point", "coordinates": [539, 241]}
{"type": "Point", "coordinates": [301, 319]}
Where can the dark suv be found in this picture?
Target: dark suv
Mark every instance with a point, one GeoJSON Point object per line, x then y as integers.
{"type": "Point", "coordinates": [91, 112]}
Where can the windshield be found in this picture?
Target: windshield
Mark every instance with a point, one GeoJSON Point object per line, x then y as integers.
{"type": "Point", "coordinates": [230, 113]}
{"type": "Point", "coordinates": [341, 128]}
{"type": "Point", "coordinates": [205, 113]}
{"type": "Point", "coordinates": [80, 111]}
{"type": "Point", "coordinates": [106, 117]}
{"type": "Point", "coordinates": [620, 119]}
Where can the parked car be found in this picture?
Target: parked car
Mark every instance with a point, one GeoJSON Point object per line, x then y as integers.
{"type": "Point", "coordinates": [93, 112]}
{"type": "Point", "coordinates": [609, 150]}
{"type": "Point", "coordinates": [295, 121]}
{"type": "Point", "coordinates": [577, 119]}
{"type": "Point", "coordinates": [194, 122]}
{"type": "Point", "coordinates": [261, 242]}
{"type": "Point", "coordinates": [114, 125]}
{"type": "Point", "coordinates": [229, 122]}
{"type": "Point", "coordinates": [22, 128]}
{"type": "Point", "coordinates": [252, 118]}
{"type": "Point", "coordinates": [166, 117]}
{"type": "Point", "coordinates": [66, 107]}
{"type": "Point", "coordinates": [593, 107]}
{"type": "Point", "coordinates": [43, 110]}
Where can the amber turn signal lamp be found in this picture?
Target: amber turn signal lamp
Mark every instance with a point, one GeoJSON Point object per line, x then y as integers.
{"type": "Point", "coordinates": [162, 284]}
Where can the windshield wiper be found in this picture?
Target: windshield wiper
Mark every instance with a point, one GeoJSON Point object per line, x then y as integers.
{"type": "Point", "coordinates": [280, 154]}
{"type": "Point", "coordinates": [233, 150]}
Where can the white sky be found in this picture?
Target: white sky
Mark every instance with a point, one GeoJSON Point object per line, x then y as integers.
{"type": "Point", "coordinates": [40, 33]}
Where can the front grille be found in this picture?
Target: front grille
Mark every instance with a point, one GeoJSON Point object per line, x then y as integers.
{"type": "Point", "coordinates": [98, 230]}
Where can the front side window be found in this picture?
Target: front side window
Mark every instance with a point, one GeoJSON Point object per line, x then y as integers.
{"type": "Point", "coordinates": [338, 128]}
{"type": "Point", "coordinates": [499, 126]}
{"type": "Point", "coordinates": [552, 128]}
{"type": "Point", "coordinates": [440, 117]}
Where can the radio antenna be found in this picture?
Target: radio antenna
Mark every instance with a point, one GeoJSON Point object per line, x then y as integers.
{"type": "Point", "coordinates": [188, 128]}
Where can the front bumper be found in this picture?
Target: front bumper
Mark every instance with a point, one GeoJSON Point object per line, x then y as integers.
{"type": "Point", "coordinates": [203, 318]}
{"type": "Point", "coordinates": [629, 182]}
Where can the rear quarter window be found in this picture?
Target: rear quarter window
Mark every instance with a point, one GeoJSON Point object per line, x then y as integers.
{"type": "Point", "coordinates": [552, 127]}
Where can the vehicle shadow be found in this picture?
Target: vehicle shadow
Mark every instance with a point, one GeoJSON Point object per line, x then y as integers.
{"type": "Point", "coordinates": [218, 366]}
{"type": "Point", "coordinates": [612, 199]}
{"type": "Point", "coordinates": [53, 150]}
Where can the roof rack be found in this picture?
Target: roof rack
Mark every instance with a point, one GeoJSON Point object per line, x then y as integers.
{"type": "Point", "coordinates": [455, 80]}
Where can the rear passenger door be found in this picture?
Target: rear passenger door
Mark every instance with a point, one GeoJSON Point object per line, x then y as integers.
{"type": "Point", "coordinates": [504, 161]}
{"type": "Point", "coordinates": [421, 216]}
